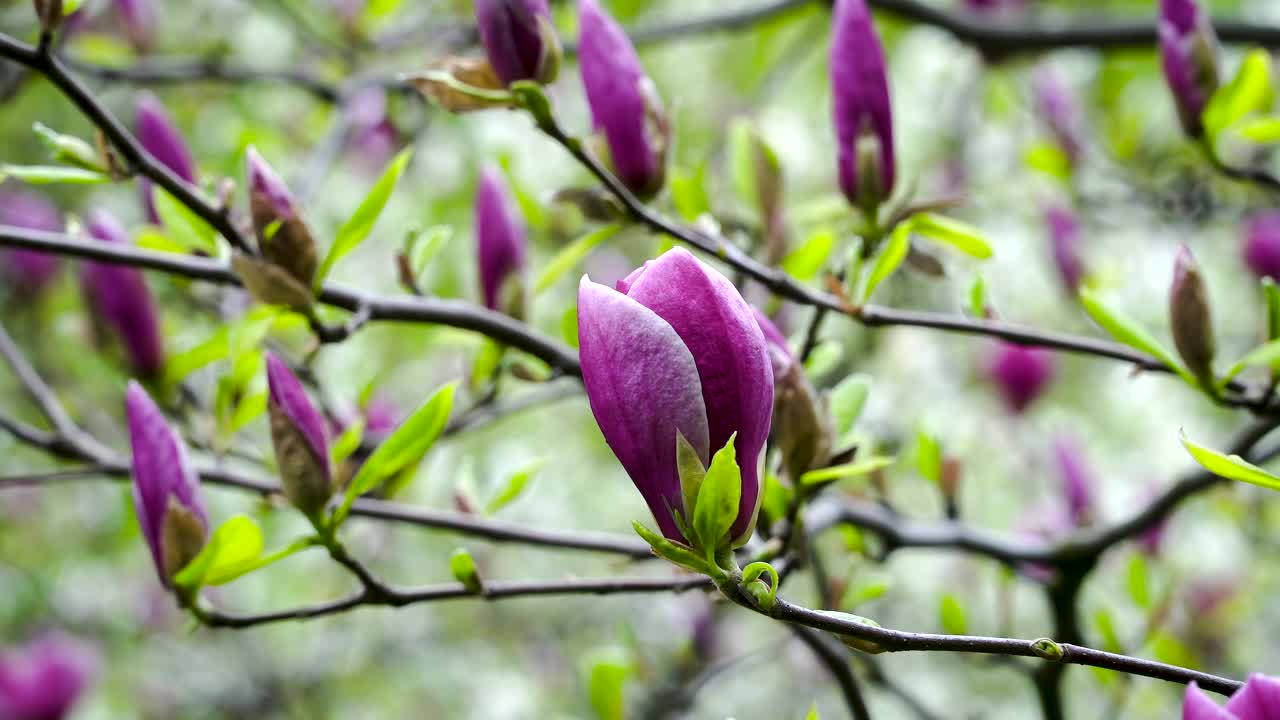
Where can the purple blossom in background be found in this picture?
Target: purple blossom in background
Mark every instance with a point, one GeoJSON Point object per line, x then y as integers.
{"type": "Point", "coordinates": [166, 489]}
{"type": "Point", "coordinates": [138, 19]}
{"type": "Point", "coordinates": [1079, 485]}
{"type": "Point", "coordinates": [44, 679]}
{"type": "Point", "coordinates": [1189, 56]}
{"type": "Point", "coordinates": [160, 137]}
{"type": "Point", "coordinates": [1259, 699]}
{"type": "Point", "coordinates": [118, 297]}
{"type": "Point", "coordinates": [1065, 245]}
{"type": "Point", "coordinates": [1061, 112]}
{"type": "Point", "coordinates": [298, 435]}
{"type": "Point", "coordinates": [29, 270]}
{"type": "Point", "coordinates": [993, 6]}
{"type": "Point", "coordinates": [518, 38]}
{"type": "Point", "coordinates": [1262, 244]}
{"type": "Point", "coordinates": [862, 111]}
{"type": "Point", "coordinates": [624, 104]}
{"type": "Point", "coordinates": [500, 244]}
{"type": "Point", "coordinates": [373, 137]}
{"type": "Point", "coordinates": [780, 354]}
{"type": "Point", "coordinates": [676, 349]}
{"type": "Point", "coordinates": [1020, 373]}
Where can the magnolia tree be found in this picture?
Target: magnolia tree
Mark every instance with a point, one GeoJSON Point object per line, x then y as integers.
{"type": "Point", "coordinates": [890, 311]}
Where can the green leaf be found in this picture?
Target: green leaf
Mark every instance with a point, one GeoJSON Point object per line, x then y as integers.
{"type": "Point", "coordinates": [776, 497]}
{"type": "Point", "coordinates": [718, 500]}
{"type": "Point", "coordinates": [671, 551]}
{"type": "Point", "coordinates": [403, 448]}
{"type": "Point", "coordinates": [572, 254]}
{"type": "Point", "coordinates": [360, 224]}
{"type": "Point", "coordinates": [247, 410]}
{"type": "Point", "coordinates": [689, 192]}
{"type": "Point", "coordinates": [742, 170]}
{"type": "Point", "coordinates": [1264, 130]}
{"type": "Point", "coordinates": [864, 591]}
{"type": "Point", "coordinates": [824, 358]}
{"type": "Point", "coordinates": [154, 239]}
{"type": "Point", "coordinates": [463, 567]}
{"type": "Point", "coordinates": [488, 362]}
{"type": "Point", "coordinates": [516, 485]}
{"type": "Point", "coordinates": [423, 247]}
{"type": "Point", "coordinates": [978, 298]}
{"type": "Point", "coordinates": [182, 225]}
{"type": "Point", "coordinates": [347, 442]}
{"type": "Point", "coordinates": [952, 616]}
{"type": "Point", "coordinates": [1137, 581]}
{"type": "Point", "coordinates": [1107, 629]}
{"type": "Point", "coordinates": [69, 149]}
{"type": "Point", "coordinates": [1231, 467]}
{"type": "Point", "coordinates": [691, 470]}
{"type": "Point", "coordinates": [847, 400]}
{"type": "Point", "coordinates": [928, 457]}
{"type": "Point", "coordinates": [1249, 92]}
{"type": "Point", "coordinates": [1265, 355]}
{"type": "Point", "coordinates": [842, 472]}
{"type": "Point", "coordinates": [233, 550]}
{"type": "Point", "coordinates": [1049, 159]}
{"type": "Point", "coordinates": [569, 326]}
{"type": "Point", "coordinates": [961, 236]}
{"type": "Point", "coordinates": [890, 257]}
{"type": "Point", "coordinates": [607, 683]}
{"type": "Point", "coordinates": [52, 175]}
{"type": "Point", "coordinates": [1272, 294]}
{"type": "Point", "coordinates": [1167, 648]}
{"type": "Point", "coordinates": [813, 713]}
{"type": "Point", "coordinates": [1124, 329]}
{"type": "Point", "coordinates": [806, 261]}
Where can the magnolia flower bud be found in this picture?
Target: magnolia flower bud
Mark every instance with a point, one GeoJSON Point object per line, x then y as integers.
{"type": "Point", "coordinates": [1079, 486]}
{"type": "Point", "coordinates": [161, 139]}
{"type": "Point", "coordinates": [802, 425]}
{"type": "Point", "coordinates": [166, 489]}
{"type": "Point", "coordinates": [1189, 55]}
{"type": "Point", "coordinates": [118, 298]}
{"type": "Point", "coordinates": [283, 236]}
{"type": "Point", "coordinates": [1259, 699]}
{"type": "Point", "coordinates": [625, 106]}
{"type": "Point", "coordinates": [29, 271]}
{"type": "Point", "coordinates": [862, 110]}
{"type": "Point", "coordinates": [1262, 244]}
{"type": "Point", "coordinates": [1065, 243]}
{"type": "Point", "coordinates": [1061, 112]}
{"type": "Point", "coordinates": [43, 680]}
{"type": "Point", "coordinates": [501, 245]}
{"type": "Point", "coordinates": [298, 435]}
{"type": "Point", "coordinates": [519, 39]}
{"type": "Point", "coordinates": [1020, 373]}
{"type": "Point", "coordinates": [373, 136]}
{"type": "Point", "coordinates": [675, 351]}
{"type": "Point", "coordinates": [138, 19]}
{"type": "Point", "coordinates": [1190, 318]}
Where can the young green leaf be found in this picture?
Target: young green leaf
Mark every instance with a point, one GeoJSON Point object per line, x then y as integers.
{"type": "Point", "coordinates": [569, 326]}
{"type": "Point", "coordinates": [1124, 329]}
{"type": "Point", "coordinates": [233, 550]}
{"type": "Point", "coordinates": [463, 567]}
{"type": "Point", "coordinates": [361, 222]}
{"type": "Point", "coordinates": [961, 236]}
{"type": "Point", "coordinates": [928, 456]}
{"type": "Point", "coordinates": [670, 551]}
{"type": "Point", "coordinates": [718, 500]}
{"type": "Point", "coordinates": [978, 298]}
{"type": "Point", "coordinates": [1264, 130]}
{"type": "Point", "coordinates": [1249, 92]}
{"type": "Point", "coordinates": [689, 192]}
{"type": "Point", "coordinates": [607, 683]}
{"type": "Point", "coordinates": [691, 471]}
{"type": "Point", "coordinates": [1231, 467]}
{"type": "Point", "coordinates": [1137, 581]}
{"type": "Point", "coordinates": [952, 616]}
{"type": "Point", "coordinates": [890, 257]}
{"type": "Point", "coordinates": [1265, 355]}
{"type": "Point", "coordinates": [572, 254]}
{"type": "Point", "coordinates": [806, 261]}
{"type": "Point", "coordinates": [69, 149]}
{"type": "Point", "coordinates": [847, 400]}
{"type": "Point", "coordinates": [516, 485]}
{"type": "Point", "coordinates": [347, 442]}
{"type": "Point", "coordinates": [184, 226]}
{"type": "Point", "coordinates": [52, 175]}
{"type": "Point", "coordinates": [843, 472]}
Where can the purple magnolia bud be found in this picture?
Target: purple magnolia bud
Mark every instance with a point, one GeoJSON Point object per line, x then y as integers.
{"type": "Point", "coordinates": [1190, 318]}
{"type": "Point", "coordinates": [624, 104]}
{"type": "Point", "coordinates": [1262, 244]}
{"type": "Point", "coordinates": [1021, 374]}
{"type": "Point", "coordinates": [283, 236]}
{"type": "Point", "coordinates": [166, 489]}
{"type": "Point", "coordinates": [676, 350]}
{"type": "Point", "coordinates": [519, 39]}
{"type": "Point", "coordinates": [500, 244]}
{"type": "Point", "coordinates": [373, 137]}
{"type": "Point", "coordinates": [1259, 699]}
{"type": "Point", "coordinates": [779, 351]}
{"type": "Point", "coordinates": [802, 426]}
{"type": "Point", "coordinates": [1065, 242]}
{"type": "Point", "coordinates": [43, 680]}
{"type": "Point", "coordinates": [1061, 112]}
{"type": "Point", "coordinates": [161, 139]}
{"type": "Point", "coordinates": [139, 19]}
{"type": "Point", "coordinates": [267, 189]}
{"type": "Point", "coordinates": [297, 432]}
{"type": "Point", "coordinates": [29, 270]}
{"type": "Point", "coordinates": [120, 301]}
{"type": "Point", "coordinates": [1189, 54]}
{"type": "Point", "coordinates": [1078, 481]}
{"type": "Point", "coordinates": [863, 115]}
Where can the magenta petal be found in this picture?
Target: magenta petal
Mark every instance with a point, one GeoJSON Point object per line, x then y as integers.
{"type": "Point", "coordinates": [31, 270]}
{"type": "Point", "coordinates": [1196, 705]}
{"type": "Point", "coordinates": [721, 332]}
{"type": "Point", "coordinates": [287, 394]}
{"type": "Point", "coordinates": [1262, 244]}
{"type": "Point", "coordinates": [500, 237]}
{"type": "Point", "coordinates": [1258, 700]}
{"type": "Point", "coordinates": [643, 387]}
{"type": "Point", "coordinates": [43, 680]}
{"type": "Point", "coordinates": [160, 137]}
{"type": "Point", "coordinates": [860, 93]}
{"type": "Point", "coordinates": [119, 296]}
{"type": "Point", "coordinates": [511, 37]}
{"type": "Point", "coordinates": [264, 180]}
{"type": "Point", "coordinates": [161, 469]}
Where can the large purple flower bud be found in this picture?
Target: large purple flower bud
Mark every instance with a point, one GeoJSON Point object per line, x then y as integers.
{"type": "Point", "coordinates": [519, 39]}
{"type": "Point", "coordinates": [625, 106]}
{"type": "Point", "coordinates": [1262, 244]}
{"type": "Point", "coordinates": [1189, 55]}
{"type": "Point", "coordinates": [283, 236]}
{"type": "Point", "coordinates": [43, 680]}
{"type": "Point", "coordinates": [863, 115]}
{"type": "Point", "coordinates": [138, 19]}
{"type": "Point", "coordinates": [30, 271]}
{"type": "Point", "coordinates": [675, 349]}
{"type": "Point", "coordinates": [1065, 241]}
{"type": "Point", "coordinates": [160, 137]}
{"type": "Point", "coordinates": [1259, 699]}
{"type": "Point", "coordinates": [166, 489]}
{"type": "Point", "coordinates": [1021, 374]}
{"type": "Point", "coordinates": [373, 136]}
{"type": "Point", "coordinates": [1079, 485]}
{"type": "Point", "coordinates": [500, 244]}
{"type": "Point", "coordinates": [1061, 112]}
{"type": "Point", "coordinates": [118, 298]}
{"type": "Point", "coordinates": [297, 432]}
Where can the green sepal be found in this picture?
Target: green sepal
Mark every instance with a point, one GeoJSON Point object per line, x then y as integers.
{"type": "Point", "coordinates": [671, 551]}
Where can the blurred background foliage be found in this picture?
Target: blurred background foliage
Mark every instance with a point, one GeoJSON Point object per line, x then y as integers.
{"type": "Point", "coordinates": [71, 556]}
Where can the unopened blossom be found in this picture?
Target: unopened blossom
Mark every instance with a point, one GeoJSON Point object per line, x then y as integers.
{"type": "Point", "coordinates": [30, 271]}
{"type": "Point", "coordinates": [1190, 318]}
{"type": "Point", "coordinates": [1065, 245]}
{"type": "Point", "coordinates": [1189, 56]}
{"type": "Point", "coordinates": [1079, 484]}
{"type": "Point", "coordinates": [862, 112]}
{"type": "Point", "coordinates": [1259, 699]}
{"type": "Point", "coordinates": [283, 235]}
{"type": "Point", "coordinates": [166, 489]}
{"type": "Point", "coordinates": [1262, 244]}
{"type": "Point", "coordinates": [675, 350]}
{"type": "Point", "coordinates": [161, 138]}
{"type": "Point", "coordinates": [501, 245]}
{"type": "Point", "coordinates": [138, 19]}
{"type": "Point", "coordinates": [118, 297]}
{"type": "Point", "coordinates": [1021, 374]}
{"type": "Point", "coordinates": [625, 106]}
{"type": "Point", "coordinates": [519, 39]}
{"type": "Point", "coordinates": [1061, 112]}
{"type": "Point", "coordinates": [298, 435]}
{"type": "Point", "coordinates": [44, 679]}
